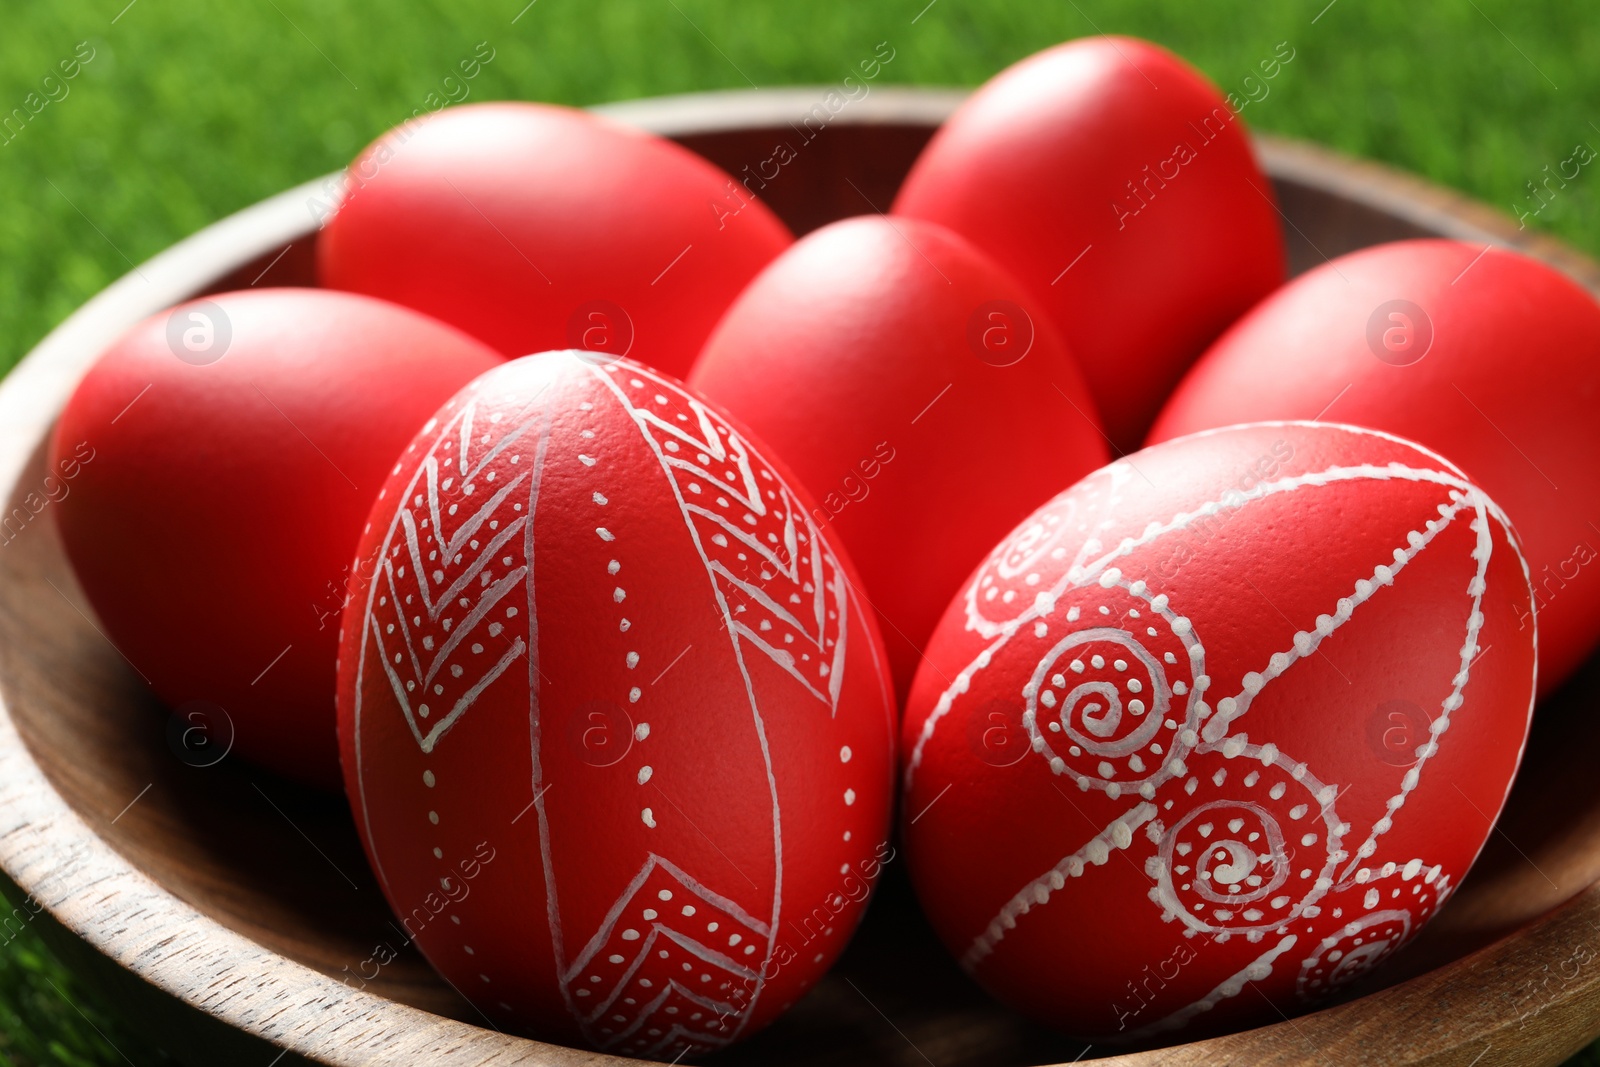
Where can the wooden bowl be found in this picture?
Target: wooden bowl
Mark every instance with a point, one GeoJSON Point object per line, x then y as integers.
{"type": "Point", "coordinates": [232, 916]}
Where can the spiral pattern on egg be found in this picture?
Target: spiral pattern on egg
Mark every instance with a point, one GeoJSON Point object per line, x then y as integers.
{"type": "Point", "coordinates": [1237, 858]}
{"type": "Point", "coordinates": [1252, 843]}
{"type": "Point", "coordinates": [1101, 701]}
{"type": "Point", "coordinates": [1029, 567]}
{"type": "Point", "coordinates": [1024, 565]}
{"type": "Point", "coordinates": [1360, 946]}
{"type": "Point", "coordinates": [1112, 692]}
{"type": "Point", "coordinates": [1030, 545]}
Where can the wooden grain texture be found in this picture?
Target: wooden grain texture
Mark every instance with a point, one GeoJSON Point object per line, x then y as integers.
{"type": "Point", "coordinates": [232, 914]}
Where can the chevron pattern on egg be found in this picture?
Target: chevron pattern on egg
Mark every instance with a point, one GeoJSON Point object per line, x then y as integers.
{"type": "Point", "coordinates": [447, 621]}
{"type": "Point", "coordinates": [784, 589]}
{"type": "Point", "coordinates": [674, 966]}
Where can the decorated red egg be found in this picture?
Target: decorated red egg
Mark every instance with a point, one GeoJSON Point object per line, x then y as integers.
{"type": "Point", "coordinates": [1237, 711]}
{"type": "Point", "coordinates": [227, 453]}
{"type": "Point", "coordinates": [1483, 354]}
{"type": "Point", "coordinates": [1119, 186]}
{"type": "Point", "coordinates": [917, 391]}
{"type": "Point", "coordinates": [536, 227]}
{"type": "Point", "coordinates": [616, 727]}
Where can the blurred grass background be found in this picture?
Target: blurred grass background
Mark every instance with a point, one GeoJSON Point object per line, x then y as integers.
{"type": "Point", "coordinates": [187, 112]}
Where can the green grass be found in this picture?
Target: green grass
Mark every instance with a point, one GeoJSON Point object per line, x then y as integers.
{"type": "Point", "coordinates": [190, 111]}
{"type": "Point", "coordinates": [46, 1018]}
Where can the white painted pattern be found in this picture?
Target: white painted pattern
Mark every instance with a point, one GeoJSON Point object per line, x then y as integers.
{"type": "Point", "coordinates": [712, 939]}
{"type": "Point", "coordinates": [675, 878]}
{"type": "Point", "coordinates": [1099, 722]}
{"type": "Point", "coordinates": [785, 589]}
{"type": "Point", "coordinates": [1360, 942]}
{"type": "Point", "coordinates": [440, 619]}
{"type": "Point", "coordinates": [454, 569]}
{"type": "Point", "coordinates": [780, 591]}
{"type": "Point", "coordinates": [1441, 723]}
{"type": "Point", "coordinates": [1306, 642]}
{"type": "Point", "coordinates": [1387, 906]}
{"type": "Point", "coordinates": [1078, 576]}
{"type": "Point", "coordinates": [1082, 575]}
{"type": "Point", "coordinates": [1033, 547]}
{"type": "Point", "coordinates": [393, 592]}
{"type": "Point", "coordinates": [1224, 868]}
{"type": "Point", "coordinates": [1036, 893]}
{"type": "Point", "coordinates": [1258, 969]}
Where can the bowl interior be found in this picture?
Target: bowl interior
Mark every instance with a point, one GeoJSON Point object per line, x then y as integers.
{"type": "Point", "coordinates": [282, 865]}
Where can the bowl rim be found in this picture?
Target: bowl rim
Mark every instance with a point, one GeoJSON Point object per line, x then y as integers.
{"type": "Point", "coordinates": [51, 856]}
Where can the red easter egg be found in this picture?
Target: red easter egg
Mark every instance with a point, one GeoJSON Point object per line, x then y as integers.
{"type": "Point", "coordinates": [1237, 710]}
{"type": "Point", "coordinates": [1489, 357]}
{"type": "Point", "coordinates": [1118, 186]}
{"type": "Point", "coordinates": [226, 456]}
{"type": "Point", "coordinates": [535, 227]}
{"type": "Point", "coordinates": [617, 730]}
{"type": "Point", "coordinates": [892, 365]}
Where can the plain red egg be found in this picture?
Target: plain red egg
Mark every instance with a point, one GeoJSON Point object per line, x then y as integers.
{"type": "Point", "coordinates": [226, 456]}
{"type": "Point", "coordinates": [536, 227]}
{"type": "Point", "coordinates": [1118, 186]}
{"type": "Point", "coordinates": [1484, 355]}
{"type": "Point", "coordinates": [616, 727]}
{"type": "Point", "coordinates": [907, 383]}
{"type": "Point", "coordinates": [1218, 729]}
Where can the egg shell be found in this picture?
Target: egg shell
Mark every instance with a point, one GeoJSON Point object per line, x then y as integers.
{"type": "Point", "coordinates": [1116, 183]}
{"type": "Point", "coordinates": [1495, 362]}
{"type": "Point", "coordinates": [1247, 720]}
{"type": "Point", "coordinates": [902, 376]}
{"type": "Point", "coordinates": [538, 227]}
{"type": "Point", "coordinates": [623, 759]}
{"type": "Point", "coordinates": [227, 453]}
